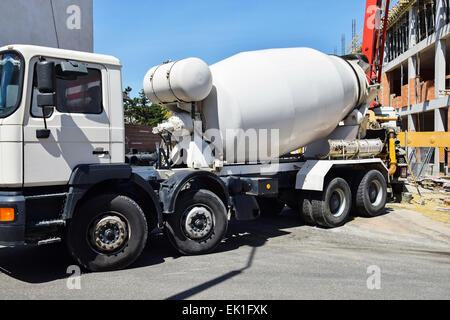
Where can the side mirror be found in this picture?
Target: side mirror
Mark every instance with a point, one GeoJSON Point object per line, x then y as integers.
{"type": "Point", "coordinates": [46, 97]}
{"type": "Point", "coordinates": [46, 83]}
{"type": "Point", "coordinates": [45, 76]}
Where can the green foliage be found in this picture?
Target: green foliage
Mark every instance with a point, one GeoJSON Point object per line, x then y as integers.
{"type": "Point", "coordinates": [140, 110]}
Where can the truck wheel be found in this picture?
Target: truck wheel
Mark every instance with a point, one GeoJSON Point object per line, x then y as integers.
{"type": "Point", "coordinates": [269, 206]}
{"type": "Point", "coordinates": [199, 223]}
{"type": "Point", "coordinates": [371, 195]}
{"type": "Point", "coordinates": [306, 209]}
{"type": "Point", "coordinates": [108, 232]}
{"type": "Point", "coordinates": [331, 207]}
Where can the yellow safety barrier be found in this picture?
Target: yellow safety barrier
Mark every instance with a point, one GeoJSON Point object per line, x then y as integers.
{"type": "Point", "coordinates": [424, 139]}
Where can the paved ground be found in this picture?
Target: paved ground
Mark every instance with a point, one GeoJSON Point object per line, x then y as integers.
{"type": "Point", "coordinates": [272, 258]}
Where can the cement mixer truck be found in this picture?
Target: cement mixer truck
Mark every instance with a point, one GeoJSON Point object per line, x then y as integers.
{"type": "Point", "coordinates": [248, 136]}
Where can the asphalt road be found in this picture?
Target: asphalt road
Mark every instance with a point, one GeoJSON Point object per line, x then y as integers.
{"type": "Point", "coordinates": [271, 258]}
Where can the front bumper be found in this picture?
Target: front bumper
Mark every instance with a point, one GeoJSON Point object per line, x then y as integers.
{"type": "Point", "coordinates": [13, 233]}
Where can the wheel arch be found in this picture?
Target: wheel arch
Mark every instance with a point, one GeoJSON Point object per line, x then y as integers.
{"type": "Point", "coordinates": [314, 173]}
{"type": "Point", "coordinates": [90, 180]}
{"type": "Point", "coordinates": [171, 188]}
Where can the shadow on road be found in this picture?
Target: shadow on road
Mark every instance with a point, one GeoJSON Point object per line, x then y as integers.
{"type": "Point", "coordinates": [204, 286]}
{"type": "Point", "coordinates": [254, 234]}
{"type": "Point", "coordinates": [35, 264]}
{"type": "Point", "coordinates": [251, 233]}
{"type": "Point", "coordinates": [49, 263]}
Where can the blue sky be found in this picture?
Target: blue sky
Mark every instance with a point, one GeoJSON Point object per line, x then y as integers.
{"type": "Point", "coordinates": [144, 33]}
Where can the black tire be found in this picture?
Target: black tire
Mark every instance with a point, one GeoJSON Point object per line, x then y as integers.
{"type": "Point", "coordinates": [110, 215]}
{"type": "Point", "coordinates": [306, 209]}
{"type": "Point", "coordinates": [356, 180]}
{"type": "Point", "coordinates": [331, 207]}
{"type": "Point", "coordinates": [182, 235]}
{"type": "Point", "coordinates": [371, 194]}
{"type": "Point", "coordinates": [269, 206]}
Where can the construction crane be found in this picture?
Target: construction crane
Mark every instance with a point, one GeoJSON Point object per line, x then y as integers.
{"type": "Point", "coordinates": [374, 36]}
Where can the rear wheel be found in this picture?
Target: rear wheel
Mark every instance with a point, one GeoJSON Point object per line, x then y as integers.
{"type": "Point", "coordinates": [199, 223]}
{"type": "Point", "coordinates": [305, 206]}
{"type": "Point", "coordinates": [371, 194]}
{"type": "Point", "coordinates": [107, 232]}
{"type": "Point", "coordinates": [331, 207]}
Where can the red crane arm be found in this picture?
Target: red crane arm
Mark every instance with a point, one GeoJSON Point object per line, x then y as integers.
{"type": "Point", "coordinates": [373, 37]}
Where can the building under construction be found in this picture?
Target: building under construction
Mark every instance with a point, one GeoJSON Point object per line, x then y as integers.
{"type": "Point", "coordinates": [416, 75]}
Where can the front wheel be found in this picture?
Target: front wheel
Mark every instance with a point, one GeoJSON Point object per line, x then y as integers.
{"type": "Point", "coordinates": [199, 223]}
{"type": "Point", "coordinates": [107, 232]}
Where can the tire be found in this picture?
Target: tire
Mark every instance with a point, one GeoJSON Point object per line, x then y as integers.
{"type": "Point", "coordinates": [331, 207]}
{"type": "Point", "coordinates": [306, 209]}
{"type": "Point", "coordinates": [371, 194]}
{"type": "Point", "coordinates": [96, 221]}
{"type": "Point", "coordinates": [269, 206]}
{"type": "Point", "coordinates": [356, 180]}
{"type": "Point", "coordinates": [202, 206]}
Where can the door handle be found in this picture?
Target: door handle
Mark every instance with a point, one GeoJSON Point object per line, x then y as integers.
{"type": "Point", "coordinates": [100, 152]}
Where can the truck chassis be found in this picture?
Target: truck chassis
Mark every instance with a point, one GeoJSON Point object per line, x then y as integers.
{"type": "Point", "coordinates": [106, 212]}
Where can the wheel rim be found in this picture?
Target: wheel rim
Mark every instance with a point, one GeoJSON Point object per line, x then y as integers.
{"type": "Point", "coordinates": [109, 233]}
{"type": "Point", "coordinates": [198, 222]}
{"type": "Point", "coordinates": [375, 192]}
{"type": "Point", "coordinates": [337, 202]}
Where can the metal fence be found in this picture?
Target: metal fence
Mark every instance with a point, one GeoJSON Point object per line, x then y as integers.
{"type": "Point", "coordinates": [421, 161]}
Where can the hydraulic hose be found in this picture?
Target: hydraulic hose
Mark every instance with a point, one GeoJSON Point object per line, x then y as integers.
{"type": "Point", "coordinates": [392, 155]}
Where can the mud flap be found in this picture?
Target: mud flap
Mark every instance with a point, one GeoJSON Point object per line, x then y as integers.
{"type": "Point", "coordinates": [245, 207]}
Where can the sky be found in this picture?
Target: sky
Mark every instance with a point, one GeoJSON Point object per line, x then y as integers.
{"type": "Point", "coordinates": [144, 33]}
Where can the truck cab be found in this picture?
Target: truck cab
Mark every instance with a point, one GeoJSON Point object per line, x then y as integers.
{"type": "Point", "coordinates": [85, 125]}
{"type": "Point", "coordinates": [62, 153]}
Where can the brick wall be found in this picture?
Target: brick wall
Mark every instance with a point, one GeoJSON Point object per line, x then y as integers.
{"type": "Point", "coordinates": [425, 93]}
{"type": "Point", "coordinates": [404, 96]}
{"type": "Point", "coordinates": [384, 96]}
{"type": "Point", "coordinates": [140, 137]}
{"type": "Point", "coordinates": [412, 91]}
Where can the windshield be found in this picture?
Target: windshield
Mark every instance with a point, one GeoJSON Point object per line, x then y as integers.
{"type": "Point", "coordinates": [11, 73]}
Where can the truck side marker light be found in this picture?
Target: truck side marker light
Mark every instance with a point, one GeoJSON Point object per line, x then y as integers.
{"type": "Point", "coordinates": [6, 214]}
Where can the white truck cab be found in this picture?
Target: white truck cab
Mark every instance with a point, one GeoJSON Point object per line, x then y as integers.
{"type": "Point", "coordinates": [86, 123]}
{"type": "Point", "coordinates": [62, 152]}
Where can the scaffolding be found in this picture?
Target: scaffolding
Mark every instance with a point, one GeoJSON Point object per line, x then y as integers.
{"type": "Point", "coordinates": [398, 40]}
{"type": "Point", "coordinates": [397, 8]}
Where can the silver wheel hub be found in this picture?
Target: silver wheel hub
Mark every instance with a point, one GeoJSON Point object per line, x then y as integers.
{"type": "Point", "coordinates": [337, 202]}
{"type": "Point", "coordinates": [198, 222]}
{"type": "Point", "coordinates": [375, 192]}
{"type": "Point", "coordinates": [109, 233]}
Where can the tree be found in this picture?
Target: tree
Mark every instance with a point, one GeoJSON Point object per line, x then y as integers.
{"type": "Point", "coordinates": [140, 110]}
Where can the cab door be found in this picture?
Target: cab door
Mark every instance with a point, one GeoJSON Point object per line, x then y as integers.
{"type": "Point", "coordinates": [79, 128]}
